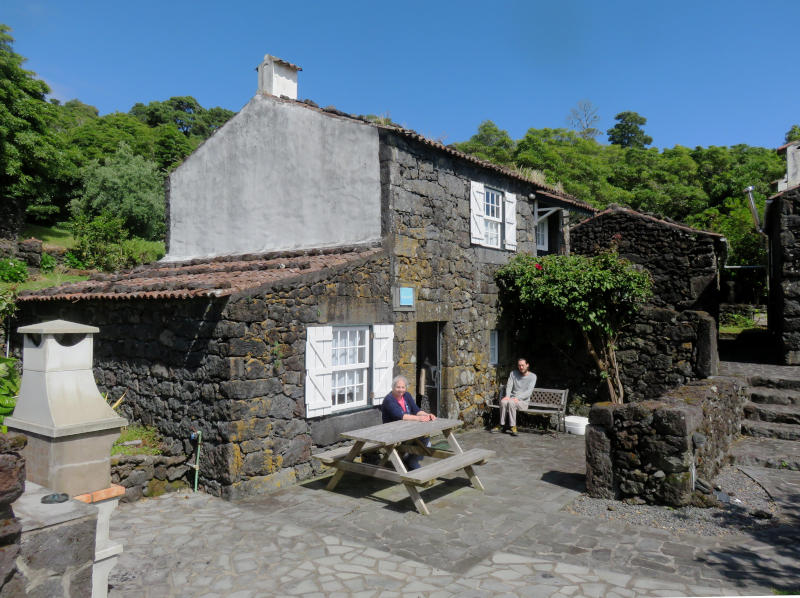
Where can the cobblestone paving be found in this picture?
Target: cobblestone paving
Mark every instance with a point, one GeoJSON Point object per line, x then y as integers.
{"type": "Point", "coordinates": [366, 539]}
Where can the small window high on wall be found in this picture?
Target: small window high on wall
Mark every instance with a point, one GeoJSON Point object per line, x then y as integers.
{"type": "Point", "coordinates": [346, 366]}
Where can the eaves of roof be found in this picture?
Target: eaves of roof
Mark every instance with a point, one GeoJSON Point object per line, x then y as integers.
{"type": "Point", "coordinates": [621, 210]}
{"type": "Point", "coordinates": [218, 277]}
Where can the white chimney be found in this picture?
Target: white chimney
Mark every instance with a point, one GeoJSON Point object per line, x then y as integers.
{"type": "Point", "coordinates": [278, 77]}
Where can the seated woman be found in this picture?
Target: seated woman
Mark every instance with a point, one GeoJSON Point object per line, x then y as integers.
{"type": "Point", "coordinates": [400, 405]}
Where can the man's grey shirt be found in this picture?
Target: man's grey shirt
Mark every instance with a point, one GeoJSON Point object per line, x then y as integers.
{"type": "Point", "coordinates": [519, 386]}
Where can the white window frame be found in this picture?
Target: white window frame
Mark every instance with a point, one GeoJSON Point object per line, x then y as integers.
{"type": "Point", "coordinates": [350, 365]}
{"type": "Point", "coordinates": [494, 347]}
{"type": "Point", "coordinates": [324, 369]}
{"type": "Point", "coordinates": [540, 221]}
{"type": "Point", "coordinates": [493, 201]}
{"type": "Point", "coordinates": [486, 221]}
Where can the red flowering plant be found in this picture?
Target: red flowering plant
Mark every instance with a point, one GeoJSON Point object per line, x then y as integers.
{"type": "Point", "coordinates": [601, 294]}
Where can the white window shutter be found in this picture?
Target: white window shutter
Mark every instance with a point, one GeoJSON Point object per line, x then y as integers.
{"type": "Point", "coordinates": [382, 361]}
{"type": "Point", "coordinates": [319, 340]}
{"type": "Point", "coordinates": [477, 200]}
{"type": "Point", "coordinates": [511, 221]}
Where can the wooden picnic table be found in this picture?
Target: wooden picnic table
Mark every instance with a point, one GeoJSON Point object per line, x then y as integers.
{"type": "Point", "coordinates": [389, 440]}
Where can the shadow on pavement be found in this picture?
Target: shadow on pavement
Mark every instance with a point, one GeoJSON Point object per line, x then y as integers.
{"type": "Point", "coordinates": [565, 479]}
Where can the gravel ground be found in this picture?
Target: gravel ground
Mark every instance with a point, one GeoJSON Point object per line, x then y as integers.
{"type": "Point", "coordinates": [749, 508]}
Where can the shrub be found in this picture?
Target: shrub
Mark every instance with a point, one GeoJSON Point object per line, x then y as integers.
{"type": "Point", "coordinates": [48, 263]}
{"type": "Point", "coordinates": [9, 386]}
{"type": "Point", "coordinates": [13, 270]}
{"type": "Point", "coordinates": [73, 261]}
{"type": "Point", "coordinates": [600, 295]}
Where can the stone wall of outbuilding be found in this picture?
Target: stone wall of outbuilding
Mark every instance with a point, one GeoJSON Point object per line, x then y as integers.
{"type": "Point", "coordinates": [653, 451]}
{"type": "Point", "coordinates": [685, 263]}
{"type": "Point", "coordinates": [232, 367]}
{"type": "Point", "coordinates": [783, 228]}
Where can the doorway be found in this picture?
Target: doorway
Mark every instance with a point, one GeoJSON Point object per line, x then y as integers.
{"type": "Point", "coordinates": [429, 366]}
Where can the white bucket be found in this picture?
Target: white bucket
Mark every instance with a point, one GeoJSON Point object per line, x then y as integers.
{"type": "Point", "coordinates": [576, 424]}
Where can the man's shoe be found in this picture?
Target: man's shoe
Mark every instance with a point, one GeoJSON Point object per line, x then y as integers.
{"type": "Point", "coordinates": [514, 430]}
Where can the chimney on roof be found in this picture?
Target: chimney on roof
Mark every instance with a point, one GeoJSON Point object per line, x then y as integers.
{"type": "Point", "coordinates": [792, 178]}
{"type": "Point", "coordinates": [277, 77]}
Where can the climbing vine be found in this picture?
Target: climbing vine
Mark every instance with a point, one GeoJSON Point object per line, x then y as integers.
{"type": "Point", "coordinates": [599, 294]}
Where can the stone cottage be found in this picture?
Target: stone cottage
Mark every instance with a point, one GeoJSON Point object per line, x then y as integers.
{"type": "Point", "coordinates": [675, 337]}
{"type": "Point", "coordinates": [782, 226]}
{"type": "Point", "coordinates": [312, 255]}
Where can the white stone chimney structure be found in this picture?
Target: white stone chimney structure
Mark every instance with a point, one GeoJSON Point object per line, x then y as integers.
{"type": "Point", "coordinates": [277, 77]}
{"type": "Point", "coordinates": [70, 427]}
{"type": "Point", "coordinates": [792, 178]}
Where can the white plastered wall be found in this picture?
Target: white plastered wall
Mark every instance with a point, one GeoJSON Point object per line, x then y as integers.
{"type": "Point", "coordinates": [277, 176]}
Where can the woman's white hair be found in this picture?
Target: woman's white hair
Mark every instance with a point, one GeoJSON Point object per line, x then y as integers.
{"type": "Point", "coordinates": [397, 379]}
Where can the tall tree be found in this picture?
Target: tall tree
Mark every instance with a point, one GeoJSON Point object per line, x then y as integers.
{"type": "Point", "coordinates": [793, 134]}
{"type": "Point", "coordinates": [628, 131]}
{"type": "Point", "coordinates": [489, 143]}
{"type": "Point", "coordinates": [26, 149]}
{"type": "Point", "coordinates": [583, 118]}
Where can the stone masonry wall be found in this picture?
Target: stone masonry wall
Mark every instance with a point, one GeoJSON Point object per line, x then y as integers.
{"type": "Point", "coordinates": [233, 368]}
{"type": "Point", "coordinates": [784, 301]}
{"type": "Point", "coordinates": [652, 451]}
{"type": "Point", "coordinates": [665, 349]}
{"type": "Point", "coordinates": [684, 263]}
{"type": "Point", "coordinates": [12, 485]}
{"type": "Point", "coordinates": [428, 236]}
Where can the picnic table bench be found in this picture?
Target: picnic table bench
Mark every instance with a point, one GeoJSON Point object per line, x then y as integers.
{"type": "Point", "coordinates": [389, 440]}
{"type": "Point", "coordinates": [544, 401]}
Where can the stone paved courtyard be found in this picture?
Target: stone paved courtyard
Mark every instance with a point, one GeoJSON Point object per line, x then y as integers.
{"type": "Point", "coordinates": [366, 539]}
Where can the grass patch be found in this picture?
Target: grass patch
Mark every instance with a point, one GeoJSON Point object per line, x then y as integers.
{"type": "Point", "coordinates": [789, 592]}
{"type": "Point", "coordinates": [150, 445]}
{"type": "Point", "coordinates": [58, 234]}
{"type": "Point", "coordinates": [55, 278]}
{"type": "Point", "coordinates": [143, 251]}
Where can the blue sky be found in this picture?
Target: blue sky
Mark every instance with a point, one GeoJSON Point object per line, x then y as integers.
{"type": "Point", "coordinates": [706, 72]}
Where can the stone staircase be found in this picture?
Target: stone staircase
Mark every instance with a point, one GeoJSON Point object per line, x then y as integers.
{"type": "Point", "coordinates": [771, 424]}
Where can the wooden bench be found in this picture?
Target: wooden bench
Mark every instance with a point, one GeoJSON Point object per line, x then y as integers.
{"type": "Point", "coordinates": [328, 457]}
{"type": "Point", "coordinates": [544, 401]}
{"type": "Point", "coordinates": [437, 469]}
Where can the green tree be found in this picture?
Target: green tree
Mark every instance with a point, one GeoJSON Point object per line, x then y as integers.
{"type": "Point", "coordinates": [793, 134]}
{"type": "Point", "coordinates": [600, 294]}
{"type": "Point", "coordinates": [185, 113]}
{"type": "Point", "coordinates": [128, 186]}
{"type": "Point", "coordinates": [490, 143]}
{"type": "Point", "coordinates": [628, 131]}
{"type": "Point", "coordinates": [26, 149]}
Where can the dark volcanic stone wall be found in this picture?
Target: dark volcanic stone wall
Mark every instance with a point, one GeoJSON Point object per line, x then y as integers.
{"type": "Point", "coordinates": [684, 263]}
{"type": "Point", "coordinates": [231, 367]}
{"type": "Point", "coordinates": [12, 485]}
{"type": "Point", "coordinates": [784, 299]}
{"type": "Point", "coordinates": [665, 349]}
{"type": "Point", "coordinates": [652, 451]}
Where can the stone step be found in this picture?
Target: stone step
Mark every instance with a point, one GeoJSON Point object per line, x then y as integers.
{"type": "Point", "coordinates": [774, 396]}
{"type": "Point", "coordinates": [784, 414]}
{"type": "Point", "coordinates": [789, 382]}
{"type": "Point", "coordinates": [766, 452]}
{"type": "Point", "coordinates": [762, 429]}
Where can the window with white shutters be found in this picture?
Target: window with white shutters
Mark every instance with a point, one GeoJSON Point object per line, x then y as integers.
{"type": "Point", "coordinates": [493, 217]}
{"type": "Point", "coordinates": [346, 365]}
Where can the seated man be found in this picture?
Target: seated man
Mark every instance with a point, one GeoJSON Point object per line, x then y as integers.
{"type": "Point", "coordinates": [518, 391]}
{"type": "Point", "coordinates": [399, 404]}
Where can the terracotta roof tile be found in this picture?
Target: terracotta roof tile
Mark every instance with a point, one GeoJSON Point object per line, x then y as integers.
{"type": "Point", "coordinates": [218, 277]}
